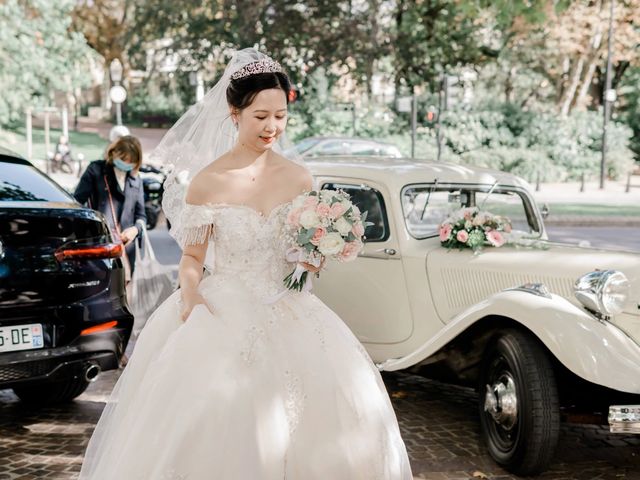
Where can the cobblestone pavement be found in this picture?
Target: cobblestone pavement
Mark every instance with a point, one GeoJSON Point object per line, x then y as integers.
{"type": "Point", "coordinates": [439, 424]}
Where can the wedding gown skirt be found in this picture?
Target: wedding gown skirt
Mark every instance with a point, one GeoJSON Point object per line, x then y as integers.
{"type": "Point", "coordinates": [262, 388]}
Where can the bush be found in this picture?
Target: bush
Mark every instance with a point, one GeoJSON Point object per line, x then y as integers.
{"type": "Point", "coordinates": [157, 109]}
{"type": "Point", "coordinates": [533, 143]}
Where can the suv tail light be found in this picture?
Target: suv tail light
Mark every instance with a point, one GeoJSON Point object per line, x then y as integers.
{"type": "Point", "coordinates": [99, 328]}
{"type": "Point", "coordinates": [107, 250]}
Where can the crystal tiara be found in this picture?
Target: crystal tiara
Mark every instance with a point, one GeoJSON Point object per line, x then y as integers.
{"type": "Point", "coordinates": [261, 66]}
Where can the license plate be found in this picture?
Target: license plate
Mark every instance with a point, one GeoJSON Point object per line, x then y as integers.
{"type": "Point", "coordinates": [21, 337]}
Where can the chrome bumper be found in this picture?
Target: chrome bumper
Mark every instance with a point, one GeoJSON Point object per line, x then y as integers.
{"type": "Point", "coordinates": [624, 419]}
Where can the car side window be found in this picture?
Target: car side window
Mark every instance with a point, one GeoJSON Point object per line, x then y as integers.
{"type": "Point", "coordinates": [368, 200]}
{"type": "Point", "coordinates": [364, 148]}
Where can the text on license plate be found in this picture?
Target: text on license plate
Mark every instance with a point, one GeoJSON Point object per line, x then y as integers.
{"type": "Point", "coordinates": [21, 337]}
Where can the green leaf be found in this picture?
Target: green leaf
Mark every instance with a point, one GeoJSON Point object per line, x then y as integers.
{"type": "Point", "coordinates": [306, 235]}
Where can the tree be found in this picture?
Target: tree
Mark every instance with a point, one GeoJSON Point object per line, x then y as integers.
{"type": "Point", "coordinates": [303, 35]}
{"type": "Point", "coordinates": [432, 37]}
{"type": "Point", "coordinates": [568, 51]}
{"type": "Point", "coordinates": [38, 55]}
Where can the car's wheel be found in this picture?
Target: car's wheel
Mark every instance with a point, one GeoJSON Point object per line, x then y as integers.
{"type": "Point", "coordinates": [519, 408]}
{"type": "Point", "coordinates": [52, 392]}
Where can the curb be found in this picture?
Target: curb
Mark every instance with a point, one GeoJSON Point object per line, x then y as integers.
{"type": "Point", "coordinates": [592, 221]}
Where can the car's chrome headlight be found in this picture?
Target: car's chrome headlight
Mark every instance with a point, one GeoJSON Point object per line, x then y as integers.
{"type": "Point", "coordinates": [603, 291]}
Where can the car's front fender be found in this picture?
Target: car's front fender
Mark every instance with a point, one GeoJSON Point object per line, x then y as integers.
{"type": "Point", "coordinates": [595, 350]}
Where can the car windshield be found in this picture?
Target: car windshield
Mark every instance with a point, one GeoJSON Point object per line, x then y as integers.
{"type": "Point", "coordinates": [427, 206]}
{"type": "Point", "coordinates": [23, 183]}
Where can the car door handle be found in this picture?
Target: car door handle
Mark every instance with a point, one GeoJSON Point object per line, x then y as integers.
{"type": "Point", "coordinates": [384, 253]}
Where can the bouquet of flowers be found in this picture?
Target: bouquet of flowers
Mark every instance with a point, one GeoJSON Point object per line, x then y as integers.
{"type": "Point", "coordinates": [322, 224]}
{"type": "Point", "coordinates": [472, 228]}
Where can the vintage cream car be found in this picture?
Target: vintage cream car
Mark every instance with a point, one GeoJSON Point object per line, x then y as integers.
{"type": "Point", "coordinates": [543, 331]}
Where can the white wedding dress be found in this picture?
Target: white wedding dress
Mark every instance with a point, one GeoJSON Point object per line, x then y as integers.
{"type": "Point", "coordinates": [269, 386]}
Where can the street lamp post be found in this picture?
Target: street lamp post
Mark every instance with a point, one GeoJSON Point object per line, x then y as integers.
{"type": "Point", "coordinates": [116, 92]}
{"type": "Point", "coordinates": [609, 97]}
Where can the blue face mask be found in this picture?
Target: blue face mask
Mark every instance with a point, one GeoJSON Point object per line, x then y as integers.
{"type": "Point", "coordinates": [122, 165]}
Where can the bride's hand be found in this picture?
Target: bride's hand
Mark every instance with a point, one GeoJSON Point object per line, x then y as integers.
{"type": "Point", "coordinates": [311, 268]}
{"type": "Point", "coordinates": [189, 302]}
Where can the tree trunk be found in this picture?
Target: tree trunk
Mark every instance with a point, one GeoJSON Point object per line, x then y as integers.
{"type": "Point", "coordinates": [562, 79]}
{"type": "Point", "coordinates": [374, 6]}
{"type": "Point", "coordinates": [581, 100]}
{"type": "Point", "coordinates": [569, 93]}
{"type": "Point", "coordinates": [508, 84]}
{"type": "Point", "coordinates": [398, 71]}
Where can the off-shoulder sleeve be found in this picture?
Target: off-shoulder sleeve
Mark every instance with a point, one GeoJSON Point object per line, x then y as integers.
{"type": "Point", "coordinates": [196, 225]}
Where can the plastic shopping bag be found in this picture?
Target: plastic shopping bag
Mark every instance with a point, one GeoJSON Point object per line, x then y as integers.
{"type": "Point", "coordinates": [151, 284]}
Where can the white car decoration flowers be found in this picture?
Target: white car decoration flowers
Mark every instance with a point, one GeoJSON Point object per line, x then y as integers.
{"type": "Point", "coordinates": [472, 228]}
{"type": "Point", "coordinates": [320, 225]}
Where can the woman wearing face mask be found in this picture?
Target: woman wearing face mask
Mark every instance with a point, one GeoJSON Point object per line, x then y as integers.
{"type": "Point", "coordinates": [114, 188]}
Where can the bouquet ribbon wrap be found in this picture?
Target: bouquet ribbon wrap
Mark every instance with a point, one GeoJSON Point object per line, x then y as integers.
{"type": "Point", "coordinates": [295, 255]}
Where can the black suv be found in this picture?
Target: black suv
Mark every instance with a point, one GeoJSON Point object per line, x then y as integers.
{"type": "Point", "coordinates": [63, 311]}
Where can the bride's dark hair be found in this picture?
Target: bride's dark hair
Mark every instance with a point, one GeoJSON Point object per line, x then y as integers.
{"type": "Point", "coordinates": [241, 92]}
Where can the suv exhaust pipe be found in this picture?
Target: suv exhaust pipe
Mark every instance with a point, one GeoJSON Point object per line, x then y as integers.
{"type": "Point", "coordinates": [91, 372]}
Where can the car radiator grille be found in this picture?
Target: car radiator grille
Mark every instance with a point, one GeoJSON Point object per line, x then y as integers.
{"type": "Point", "coordinates": [468, 287]}
{"type": "Point", "coordinates": [26, 370]}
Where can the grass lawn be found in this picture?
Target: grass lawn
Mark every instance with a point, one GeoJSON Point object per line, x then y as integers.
{"type": "Point", "coordinates": [89, 144]}
{"type": "Point", "coordinates": [583, 209]}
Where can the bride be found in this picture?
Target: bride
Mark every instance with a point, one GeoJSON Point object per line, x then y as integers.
{"type": "Point", "coordinates": [231, 379]}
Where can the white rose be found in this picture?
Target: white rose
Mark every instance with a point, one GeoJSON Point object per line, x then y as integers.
{"type": "Point", "coordinates": [331, 244]}
{"type": "Point", "coordinates": [309, 219]}
{"type": "Point", "coordinates": [327, 195]}
{"type": "Point", "coordinates": [342, 226]}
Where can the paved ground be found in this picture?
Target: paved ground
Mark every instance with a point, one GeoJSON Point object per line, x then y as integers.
{"type": "Point", "coordinates": [438, 422]}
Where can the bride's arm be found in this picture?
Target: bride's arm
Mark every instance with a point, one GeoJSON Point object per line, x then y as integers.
{"type": "Point", "coordinates": [193, 257]}
{"type": "Point", "coordinates": [190, 275]}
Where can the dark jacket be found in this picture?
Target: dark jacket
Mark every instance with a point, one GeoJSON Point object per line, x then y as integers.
{"type": "Point", "coordinates": [128, 204]}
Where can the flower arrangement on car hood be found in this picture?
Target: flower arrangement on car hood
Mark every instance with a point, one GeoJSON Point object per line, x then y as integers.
{"type": "Point", "coordinates": [473, 228]}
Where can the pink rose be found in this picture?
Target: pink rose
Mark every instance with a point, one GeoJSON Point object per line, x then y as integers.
{"type": "Point", "coordinates": [337, 210]}
{"type": "Point", "coordinates": [495, 238]}
{"type": "Point", "coordinates": [445, 232]}
{"type": "Point", "coordinates": [358, 230]}
{"type": "Point", "coordinates": [350, 251]}
{"type": "Point", "coordinates": [323, 210]}
{"type": "Point", "coordinates": [293, 217]}
{"type": "Point", "coordinates": [462, 236]}
{"type": "Point", "coordinates": [480, 219]}
{"type": "Point", "coordinates": [317, 235]}
{"type": "Point", "coordinates": [311, 201]}
{"type": "Point", "coordinates": [355, 210]}
{"type": "Point", "coordinates": [507, 227]}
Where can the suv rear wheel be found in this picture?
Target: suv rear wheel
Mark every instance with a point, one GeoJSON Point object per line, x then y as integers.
{"type": "Point", "coordinates": [52, 392]}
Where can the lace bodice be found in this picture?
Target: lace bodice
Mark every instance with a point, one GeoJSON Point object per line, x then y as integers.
{"type": "Point", "coordinates": [243, 243]}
